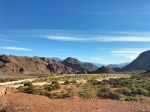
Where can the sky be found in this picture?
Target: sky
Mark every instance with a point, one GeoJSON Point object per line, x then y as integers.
{"type": "Point", "coordinates": [99, 31]}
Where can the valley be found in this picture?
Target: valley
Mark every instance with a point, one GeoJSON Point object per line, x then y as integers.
{"type": "Point", "coordinates": [74, 81]}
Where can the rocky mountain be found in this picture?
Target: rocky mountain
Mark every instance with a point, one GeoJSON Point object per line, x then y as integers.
{"type": "Point", "coordinates": [59, 68]}
{"type": "Point", "coordinates": [78, 65]}
{"type": "Point", "coordinates": [50, 60]}
{"type": "Point", "coordinates": [121, 65]}
{"type": "Point", "coordinates": [142, 62]}
{"type": "Point", "coordinates": [104, 69]}
{"type": "Point", "coordinates": [25, 65]}
{"type": "Point", "coordinates": [30, 65]}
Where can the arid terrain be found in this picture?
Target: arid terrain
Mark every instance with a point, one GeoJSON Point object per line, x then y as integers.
{"type": "Point", "coordinates": [21, 102]}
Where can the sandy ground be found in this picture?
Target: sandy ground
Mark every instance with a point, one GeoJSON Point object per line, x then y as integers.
{"type": "Point", "coordinates": [21, 102]}
{"type": "Point", "coordinates": [14, 83]}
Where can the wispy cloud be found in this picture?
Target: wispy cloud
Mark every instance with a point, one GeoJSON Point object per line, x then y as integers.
{"type": "Point", "coordinates": [16, 48]}
{"type": "Point", "coordinates": [130, 53]}
{"type": "Point", "coordinates": [79, 36]}
{"type": "Point", "coordinates": [96, 59]}
{"type": "Point", "coordinates": [5, 40]}
{"type": "Point", "coordinates": [65, 38]}
{"type": "Point", "coordinates": [101, 39]}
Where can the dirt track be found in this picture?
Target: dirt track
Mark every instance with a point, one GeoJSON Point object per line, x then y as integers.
{"type": "Point", "coordinates": [21, 102]}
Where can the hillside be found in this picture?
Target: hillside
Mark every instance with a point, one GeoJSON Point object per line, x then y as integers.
{"type": "Point", "coordinates": [30, 65]}
{"type": "Point", "coordinates": [41, 65]}
{"type": "Point", "coordinates": [22, 65]}
{"type": "Point", "coordinates": [78, 65]}
{"type": "Point", "coordinates": [59, 68]}
{"type": "Point", "coordinates": [142, 62]}
{"type": "Point", "coordinates": [104, 69]}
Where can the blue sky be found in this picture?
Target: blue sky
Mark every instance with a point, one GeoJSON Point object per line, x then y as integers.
{"type": "Point", "coordinates": [102, 31]}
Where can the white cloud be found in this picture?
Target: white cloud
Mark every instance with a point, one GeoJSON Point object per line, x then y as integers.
{"type": "Point", "coordinates": [126, 51]}
{"type": "Point", "coordinates": [130, 53]}
{"type": "Point", "coordinates": [101, 39]}
{"type": "Point", "coordinates": [65, 38]}
{"type": "Point", "coordinates": [16, 48]}
{"type": "Point", "coordinates": [78, 36]}
{"type": "Point", "coordinates": [97, 59]}
{"type": "Point", "coordinates": [8, 40]}
{"type": "Point", "coordinates": [129, 56]}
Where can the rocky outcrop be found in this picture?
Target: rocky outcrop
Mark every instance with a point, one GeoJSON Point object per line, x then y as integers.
{"type": "Point", "coordinates": [5, 90]}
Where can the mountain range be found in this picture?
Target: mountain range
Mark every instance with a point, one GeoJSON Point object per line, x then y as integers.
{"type": "Point", "coordinates": [121, 65]}
{"type": "Point", "coordinates": [10, 64]}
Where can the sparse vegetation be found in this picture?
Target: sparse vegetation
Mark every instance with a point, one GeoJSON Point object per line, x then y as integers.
{"type": "Point", "coordinates": [123, 88]}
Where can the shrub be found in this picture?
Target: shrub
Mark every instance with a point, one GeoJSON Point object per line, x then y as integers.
{"type": "Point", "coordinates": [124, 90]}
{"type": "Point", "coordinates": [53, 86]}
{"type": "Point", "coordinates": [29, 84]}
{"type": "Point", "coordinates": [142, 91]}
{"type": "Point", "coordinates": [87, 94]}
{"type": "Point", "coordinates": [104, 92]}
{"type": "Point", "coordinates": [131, 98]}
{"type": "Point", "coordinates": [117, 96]}
{"type": "Point", "coordinates": [66, 82]}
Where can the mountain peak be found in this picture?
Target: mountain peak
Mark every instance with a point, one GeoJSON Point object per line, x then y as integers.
{"type": "Point", "coordinates": [142, 62]}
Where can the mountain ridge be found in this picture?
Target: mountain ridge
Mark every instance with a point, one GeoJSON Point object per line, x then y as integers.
{"type": "Point", "coordinates": [142, 62]}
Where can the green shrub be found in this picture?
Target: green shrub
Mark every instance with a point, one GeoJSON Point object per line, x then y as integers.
{"type": "Point", "coordinates": [131, 98]}
{"type": "Point", "coordinates": [53, 86]}
{"type": "Point", "coordinates": [124, 90]}
{"type": "Point", "coordinates": [117, 96]}
{"type": "Point", "coordinates": [142, 91]}
{"type": "Point", "coordinates": [29, 84]}
{"type": "Point", "coordinates": [87, 94]}
{"type": "Point", "coordinates": [104, 92]}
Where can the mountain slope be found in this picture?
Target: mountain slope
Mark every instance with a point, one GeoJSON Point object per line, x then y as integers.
{"type": "Point", "coordinates": [104, 69]}
{"type": "Point", "coordinates": [78, 65]}
{"type": "Point", "coordinates": [142, 62]}
{"type": "Point", "coordinates": [31, 65]}
{"type": "Point", "coordinates": [59, 68]}
{"type": "Point", "coordinates": [24, 65]}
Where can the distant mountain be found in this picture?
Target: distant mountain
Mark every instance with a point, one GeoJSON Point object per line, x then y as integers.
{"type": "Point", "coordinates": [78, 65]}
{"type": "Point", "coordinates": [104, 69]}
{"type": "Point", "coordinates": [142, 62]}
{"type": "Point", "coordinates": [56, 59]}
{"type": "Point", "coordinates": [118, 65]}
{"type": "Point", "coordinates": [98, 64]}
